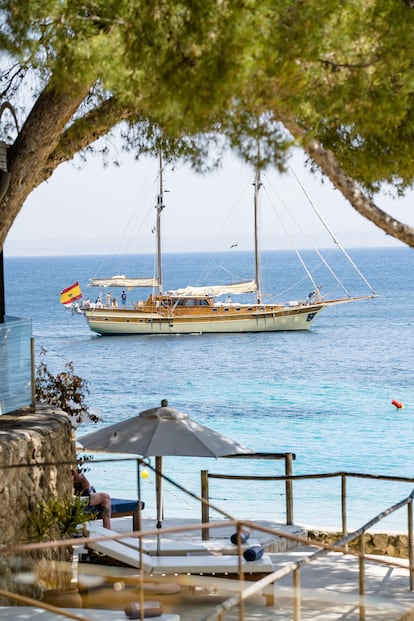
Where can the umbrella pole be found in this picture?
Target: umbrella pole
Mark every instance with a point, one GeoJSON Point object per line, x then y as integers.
{"type": "Point", "coordinates": [139, 493]}
{"type": "Point", "coordinates": [159, 497]}
{"type": "Point", "coordinates": [141, 566]}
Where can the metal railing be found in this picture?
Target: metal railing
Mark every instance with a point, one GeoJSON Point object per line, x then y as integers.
{"type": "Point", "coordinates": [287, 458]}
{"type": "Point", "coordinates": [245, 589]}
{"type": "Point", "coordinates": [289, 478]}
{"type": "Point", "coordinates": [340, 546]}
{"type": "Point", "coordinates": [268, 582]}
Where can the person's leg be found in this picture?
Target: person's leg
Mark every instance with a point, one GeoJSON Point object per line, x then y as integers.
{"type": "Point", "coordinates": [104, 500]}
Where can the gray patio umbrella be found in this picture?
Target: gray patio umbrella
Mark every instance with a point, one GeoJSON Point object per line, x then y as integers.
{"type": "Point", "coordinates": [159, 432]}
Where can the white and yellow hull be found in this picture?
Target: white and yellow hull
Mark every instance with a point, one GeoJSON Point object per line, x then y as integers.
{"type": "Point", "coordinates": [220, 319]}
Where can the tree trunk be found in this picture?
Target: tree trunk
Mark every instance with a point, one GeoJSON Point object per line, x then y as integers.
{"type": "Point", "coordinates": [36, 141]}
{"type": "Point", "coordinates": [329, 165]}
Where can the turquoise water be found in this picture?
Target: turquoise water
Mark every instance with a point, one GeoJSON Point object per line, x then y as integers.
{"type": "Point", "coordinates": [324, 395]}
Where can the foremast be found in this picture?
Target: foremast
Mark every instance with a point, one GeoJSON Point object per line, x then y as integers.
{"type": "Point", "coordinates": [159, 207]}
{"type": "Point", "coordinates": [257, 185]}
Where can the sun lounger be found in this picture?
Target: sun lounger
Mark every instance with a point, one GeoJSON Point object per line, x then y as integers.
{"type": "Point", "coordinates": [204, 562]}
{"type": "Point", "coordinates": [170, 547]}
{"type": "Point", "coordinates": [180, 546]}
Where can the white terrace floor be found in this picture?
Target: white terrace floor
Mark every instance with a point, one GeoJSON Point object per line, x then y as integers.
{"type": "Point", "coordinates": [329, 585]}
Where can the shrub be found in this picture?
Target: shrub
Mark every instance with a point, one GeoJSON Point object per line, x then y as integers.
{"type": "Point", "coordinates": [65, 390]}
{"type": "Point", "coordinates": [59, 519]}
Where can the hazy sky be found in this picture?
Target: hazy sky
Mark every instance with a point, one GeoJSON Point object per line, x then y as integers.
{"type": "Point", "coordinates": [90, 210]}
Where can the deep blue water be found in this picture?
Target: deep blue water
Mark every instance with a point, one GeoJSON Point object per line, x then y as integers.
{"type": "Point", "coordinates": [324, 395]}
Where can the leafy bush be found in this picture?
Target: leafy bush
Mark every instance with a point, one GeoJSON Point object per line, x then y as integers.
{"type": "Point", "coordinates": [65, 390]}
{"type": "Point", "coordinates": [59, 519]}
{"type": "Point", "coordinates": [56, 520]}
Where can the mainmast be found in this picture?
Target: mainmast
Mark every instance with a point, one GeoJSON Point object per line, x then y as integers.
{"type": "Point", "coordinates": [257, 185]}
{"type": "Point", "coordinates": [159, 207]}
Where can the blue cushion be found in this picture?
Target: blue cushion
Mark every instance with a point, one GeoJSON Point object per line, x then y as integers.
{"type": "Point", "coordinates": [253, 553]}
{"type": "Point", "coordinates": [120, 505]}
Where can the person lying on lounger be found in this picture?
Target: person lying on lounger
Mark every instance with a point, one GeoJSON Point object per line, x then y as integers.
{"type": "Point", "coordinates": [100, 500]}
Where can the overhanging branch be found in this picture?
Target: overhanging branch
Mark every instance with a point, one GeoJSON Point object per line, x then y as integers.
{"type": "Point", "coordinates": [86, 130]}
{"type": "Point", "coordinates": [330, 166]}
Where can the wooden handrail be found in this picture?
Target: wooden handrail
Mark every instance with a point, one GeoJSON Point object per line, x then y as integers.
{"type": "Point", "coordinates": [290, 569]}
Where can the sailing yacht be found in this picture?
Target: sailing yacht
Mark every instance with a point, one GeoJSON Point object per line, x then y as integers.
{"type": "Point", "coordinates": [199, 310]}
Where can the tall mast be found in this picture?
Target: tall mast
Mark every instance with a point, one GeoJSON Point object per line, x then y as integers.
{"type": "Point", "coordinates": [257, 184]}
{"type": "Point", "coordinates": [159, 207]}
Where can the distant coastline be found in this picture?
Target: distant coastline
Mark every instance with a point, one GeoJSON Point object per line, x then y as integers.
{"type": "Point", "coordinates": [50, 249]}
{"type": "Point", "coordinates": [96, 244]}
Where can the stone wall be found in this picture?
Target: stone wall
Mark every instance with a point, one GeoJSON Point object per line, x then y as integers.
{"type": "Point", "coordinates": [27, 439]}
{"type": "Point", "coordinates": [383, 544]}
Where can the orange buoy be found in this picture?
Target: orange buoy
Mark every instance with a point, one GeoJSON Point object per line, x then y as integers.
{"type": "Point", "coordinates": [397, 404]}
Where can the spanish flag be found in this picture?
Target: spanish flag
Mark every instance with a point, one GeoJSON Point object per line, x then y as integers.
{"type": "Point", "coordinates": [72, 293]}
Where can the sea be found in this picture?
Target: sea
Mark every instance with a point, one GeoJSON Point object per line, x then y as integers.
{"type": "Point", "coordinates": [324, 394]}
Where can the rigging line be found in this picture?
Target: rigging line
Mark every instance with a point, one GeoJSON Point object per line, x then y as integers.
{"type": "Point", "coordinates": [314, 248]}
{"type": "Point", "coordinates": [298, 282]}
{"type": "Point", "coordinates": [233, 277]}
{"type": "Point", "coordinates": [146, 190]}
{"type": "Point", "coordinates": [121, 242]}
{"type": "Point", "coordinates": [331, 233]}
{"type": "Point", "coordinates": [136, 208]}
{"type": "Point", "coordinates": [231, 222]}
{"type": "Point", "coordinates": [231, 225]}
{"type": "Point", "coordinates": [298, 254]}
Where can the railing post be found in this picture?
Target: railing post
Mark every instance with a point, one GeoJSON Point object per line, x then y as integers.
{"type": "Point", "coordinates": [205, 517]}
{"type": "Point", "coordinates": [289, 488]}
{"type": "Point", "coordinates": [343, 507]}
{"type": "Point", "coordinates": [362, 577]}
{"type": "Point", "coordinates": [33, 373]}
{"type": "Point", "coordinates": [296, 595]}
{"type": "Point", "coordinates": [410, 543]}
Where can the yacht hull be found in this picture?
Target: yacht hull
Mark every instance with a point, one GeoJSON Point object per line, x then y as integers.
{"type": "Point", "coordinates": [118, 321]}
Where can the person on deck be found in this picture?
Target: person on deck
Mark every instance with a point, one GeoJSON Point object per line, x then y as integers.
{"type": "Point", "coordinates": [100, 500]}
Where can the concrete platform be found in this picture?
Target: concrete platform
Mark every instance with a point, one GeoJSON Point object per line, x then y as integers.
{"type": "Point", "coordinates": [31, 613]}
{"type": "Point", "coordinates": [329, 592]}
{"type": "Point", "coordinates": [329, 586]}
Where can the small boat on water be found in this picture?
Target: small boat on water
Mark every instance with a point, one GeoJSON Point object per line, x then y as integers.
{"type": "Point", "coordinates": [199, 309]}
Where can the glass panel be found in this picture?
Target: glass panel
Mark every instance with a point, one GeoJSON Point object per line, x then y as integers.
{"type": "Point", "coordinates": [15, 364]}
